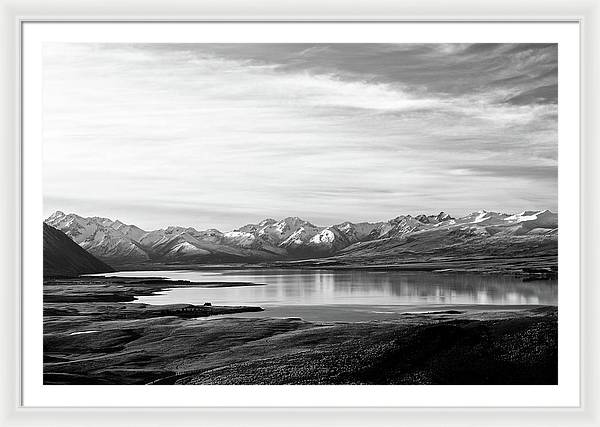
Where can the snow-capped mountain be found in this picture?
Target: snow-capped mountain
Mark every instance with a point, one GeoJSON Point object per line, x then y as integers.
{"type": "Point", "coordinates": [277, 237]}
{"type": "Point", "coordinates": [434, 219]}
{"type": "Point", "coordinates": [293, 237]}
{"type": "Point", "coordinates": [278, 232]}
{"type": "Point", "coordinates": [479, 234]}
{"type": "Point", "coordinates": [101, 237]}
{"type": "Point", "coordinates": [360, 231]}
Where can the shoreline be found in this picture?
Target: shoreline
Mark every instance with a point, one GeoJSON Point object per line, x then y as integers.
{"type": "Point", "coordinates": [355, 313]}
{"type": "Point", "coordinates": [526, 267]}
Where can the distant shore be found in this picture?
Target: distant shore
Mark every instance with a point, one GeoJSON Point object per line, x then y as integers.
{"type": "Point", "coordinates": [528, 268]}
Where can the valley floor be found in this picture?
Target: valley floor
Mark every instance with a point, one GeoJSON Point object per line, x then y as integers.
{"type": "Point", "coordinates": [93, 334]}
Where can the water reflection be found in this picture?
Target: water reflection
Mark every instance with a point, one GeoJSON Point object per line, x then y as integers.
{"type": "Point", "coordinates": [324, 287]}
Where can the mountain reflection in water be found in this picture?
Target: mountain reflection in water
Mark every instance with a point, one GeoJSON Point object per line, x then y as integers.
{"type": "Point", "coordinates": [357, 287]}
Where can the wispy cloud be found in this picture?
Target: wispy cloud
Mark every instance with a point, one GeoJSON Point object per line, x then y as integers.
{"type": "Point", "coordinates": [220, 135]}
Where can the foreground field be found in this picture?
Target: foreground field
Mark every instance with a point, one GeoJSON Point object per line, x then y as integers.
{"type": "Point", "coordinates": [92, 336]}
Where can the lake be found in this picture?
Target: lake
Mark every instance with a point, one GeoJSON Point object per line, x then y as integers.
{"type": "Point", "coordinates": [286, 292]}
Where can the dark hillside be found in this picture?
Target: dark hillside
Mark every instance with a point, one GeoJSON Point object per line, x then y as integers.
{"type": "Point", "coordinates": [65, 258]}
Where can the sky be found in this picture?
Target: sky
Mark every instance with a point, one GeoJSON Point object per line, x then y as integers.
{"type": "Point", "coordinates": [221, 135]}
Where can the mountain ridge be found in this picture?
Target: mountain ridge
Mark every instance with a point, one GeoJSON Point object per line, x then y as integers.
{"type": "Point", "coordinates": [295, 238]}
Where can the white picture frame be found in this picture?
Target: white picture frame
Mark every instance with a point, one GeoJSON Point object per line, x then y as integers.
{"type": "Point", "coordinates": [15, 13]}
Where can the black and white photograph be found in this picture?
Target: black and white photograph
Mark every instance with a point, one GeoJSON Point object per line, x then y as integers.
{"type": "Point", "coordinates": [300, 213]}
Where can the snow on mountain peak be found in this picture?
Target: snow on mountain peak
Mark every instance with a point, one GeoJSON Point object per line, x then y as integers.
{"type": "Point", "coordinates": [325, 236]}
{"type": "Point", "coordinates": [267, 221]}
{"type": "Point", "coordinates": [533, 219]}
{"type": "Point", "coordinates": [56, 215]}
{"type": "Point", "coordinates": [483, 215]}
{"type": "Point", "coordinates": [443, 216]}
{"type": "Point", "coordinates": [277, 233]}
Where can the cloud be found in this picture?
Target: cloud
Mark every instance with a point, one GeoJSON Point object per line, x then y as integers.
{"type": "Point", "coordinates": [540, 95]}
{"type": "Point", "coordinates": [530, 172]}
{"type": "Point", "coordinates": [220, 135]}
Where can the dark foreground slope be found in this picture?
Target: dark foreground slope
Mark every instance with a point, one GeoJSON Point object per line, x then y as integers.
{"type": "Point", "coordinates": [63, 257]}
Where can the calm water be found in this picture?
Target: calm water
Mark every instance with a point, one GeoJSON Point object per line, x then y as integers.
{"type": "Point", "coordinates": [356, 288]}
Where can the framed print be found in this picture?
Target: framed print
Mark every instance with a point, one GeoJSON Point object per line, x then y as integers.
{"type": "Point", "coordinates": [334, 209]}
{"type": "Point", "coordinates": [304, 215]}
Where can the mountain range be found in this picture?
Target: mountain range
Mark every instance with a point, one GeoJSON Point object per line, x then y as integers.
{"type": "Point", "coordinates": [405, 237]}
